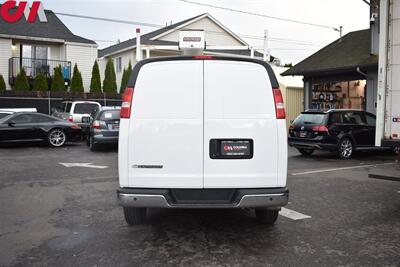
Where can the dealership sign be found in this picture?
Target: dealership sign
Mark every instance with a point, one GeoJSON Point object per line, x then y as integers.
{"type": "Point", "coordinates": [11, 12]}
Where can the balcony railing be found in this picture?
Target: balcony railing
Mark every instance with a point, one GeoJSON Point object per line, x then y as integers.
{"type": "Point", "coordinates": [34, 66]}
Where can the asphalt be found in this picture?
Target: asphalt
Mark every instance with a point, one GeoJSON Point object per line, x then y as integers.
{"type": "Point", "coordinates": [53, 215]}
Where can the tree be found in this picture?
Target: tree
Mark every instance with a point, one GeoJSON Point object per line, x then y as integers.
{"type": "Point", "coordinates": [109, 83]}
{"type": "Point", "coordinates": [40, 83]}
{"type": "Point", "coordinates": [57, 83]}
{"type": "Point", "coordinates": [21, 82]}
{"type": "Point", "coordinates": [76, 82]}
{"type": "Point", "coordinates": [125, 78]}
{"type": "Point", "coordinates": [2, 83]}
{"type": "Point", "coordinates": [95, 82]}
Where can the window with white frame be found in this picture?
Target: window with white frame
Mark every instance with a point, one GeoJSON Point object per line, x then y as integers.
{"type": "Point", "coordinates": [118, 64]}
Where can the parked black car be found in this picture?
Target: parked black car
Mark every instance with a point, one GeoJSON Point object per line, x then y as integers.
{"type": "Point", "coordinates": [341, 131]}
{"type": "Point", "coordinates": [28, 126]}
{"type": "Point", "coordinates": [104, 127]}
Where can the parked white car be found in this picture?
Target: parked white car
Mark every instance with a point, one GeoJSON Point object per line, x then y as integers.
{"type": "Point", "coordinates": [202, 132]}
{"type": "Point", "coordinates": [78, 112]}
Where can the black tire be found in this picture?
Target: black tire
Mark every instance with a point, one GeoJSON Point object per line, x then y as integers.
{"type": "Point", "coordinates": [56, 137]}
{"type": "Point", "coordinates": [267, 216]}
{"type": "Point", "coordinates": [93, 147]}
{"type": "Point", "coordinates": [134, 216]}
{"type": "Point", "coordinates": [396, 150]}
{"type": "Point", "coordinates": [306, 152]}
{"type": "Point", "coordinates": [346, 148]}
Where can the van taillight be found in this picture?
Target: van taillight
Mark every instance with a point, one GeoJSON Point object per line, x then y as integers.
{"type": "Point", "coordinates": [279, 105]}
{"type": "Point", "coordinates": [127, 103]}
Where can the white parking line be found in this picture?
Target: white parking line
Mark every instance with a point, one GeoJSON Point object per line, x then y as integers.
{"type": "Point", "coordinates": [340, 169]}
{"type": "Point", "coordinates": [294, 215]}
{"type": "Point", "coordinates": [84, 165]}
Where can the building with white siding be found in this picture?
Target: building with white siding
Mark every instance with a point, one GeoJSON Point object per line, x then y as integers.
{"type": "Point", "coordinates": [164, 42]}
{"type": "Point", "coordinates": [39, 47]}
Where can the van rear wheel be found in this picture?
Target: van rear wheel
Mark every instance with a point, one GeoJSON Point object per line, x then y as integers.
{"type": "Point", "coordinates": [267, 216]}
{"type": "Point", "coordinates": [306, 152]}
{"type": "Point", "coordinates": [134, 216]}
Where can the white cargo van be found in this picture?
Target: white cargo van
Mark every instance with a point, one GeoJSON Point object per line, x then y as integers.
{"type": "Point", "coordinates": [202, 132]}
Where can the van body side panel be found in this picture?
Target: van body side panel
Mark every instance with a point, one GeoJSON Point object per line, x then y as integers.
{"type": "Point", "coordinates": [239, 104]}
{"type": "Point", "coordinates": [282, 152]}
{"type": "Point", "coordinates": [166, 126]}
{"type": "Point", "coordinates": [123, 152]}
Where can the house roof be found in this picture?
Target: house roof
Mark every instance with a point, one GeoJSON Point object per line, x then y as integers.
{"type": "Point", "coordinates": [339, 57]}
{"type": "Point", "coordinates": [151, 39]}
{"type": "Point", "coordinates": [54, 28]}
{"type": "Point", "coordinates": [144, 39]}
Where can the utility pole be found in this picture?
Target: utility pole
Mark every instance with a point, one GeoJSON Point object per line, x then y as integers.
{"type": "Point", "coordinates": [266, 50]}
{"type": "Point", "coordinates": [340, 30]}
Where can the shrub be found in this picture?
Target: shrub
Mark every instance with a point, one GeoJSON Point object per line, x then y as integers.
{"type": "Point", "coordinates": [109, 83]}
{"type": "Point", "coordinates": [125, 78]}
{"type": "Point", "coordinates": [21, 82]}
{"type": "Point", "coordinates": [76, 82]}
{"type": "Point", "coordinates": [95, 82]}
{"type": "Point", "coordinates": [2, 83]}
{"type": "Point", "coordinates": [40, 83]}
{"type": "Point", "coordinates": [57, 83]}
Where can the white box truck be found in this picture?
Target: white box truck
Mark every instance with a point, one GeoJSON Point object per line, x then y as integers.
{"type": "Point", "coordinates": [202, 132]}
{"type": "Point", "coordinates": [388, 100]}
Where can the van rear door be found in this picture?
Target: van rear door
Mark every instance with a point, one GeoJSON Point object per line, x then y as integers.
{"type": "Point", "coordinates": [166, 126]}
{"type": "Point", "coordinates": [240, 126]}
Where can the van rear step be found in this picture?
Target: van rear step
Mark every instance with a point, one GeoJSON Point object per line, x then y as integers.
{"type": "Point", "coordinates": [203, 198]}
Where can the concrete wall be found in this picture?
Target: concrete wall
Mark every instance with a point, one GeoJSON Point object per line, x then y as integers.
{"type": "Point", "coordinates": [5, 55]}
{"type": "Point", "coordinates": [84, 56]}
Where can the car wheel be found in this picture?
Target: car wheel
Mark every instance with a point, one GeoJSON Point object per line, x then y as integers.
{"type": "Point", "coordinates": [87, 140]}
{"type": "Point", "coordinates": [396, 150]}
{"type": "Point", "coordinates": [92, 146]}
{"type": "Point", "coordinates": [346, 148]}
{"type": "Point", "coordinates": [134, 216]}
{"type": "Point", "coordinates": [306, 152]}
{"type": "Point", "coordinates": [56, 138]}
{"type": "Point", "coordinates": [267, 216]}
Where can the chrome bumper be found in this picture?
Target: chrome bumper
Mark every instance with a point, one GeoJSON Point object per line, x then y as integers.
{"type": "Point", "coordinates": [271, 201]}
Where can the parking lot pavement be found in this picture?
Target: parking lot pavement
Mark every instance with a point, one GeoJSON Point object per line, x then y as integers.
{"type": "Point", "coordinates": [63, 215]}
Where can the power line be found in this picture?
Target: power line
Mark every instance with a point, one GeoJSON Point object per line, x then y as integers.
{"type": "Point", "coordinates": [290, 41]}
{"type": "Point", "coordinates": [260, 15]}
{"type": "Point", "coordinates": [111, 20]}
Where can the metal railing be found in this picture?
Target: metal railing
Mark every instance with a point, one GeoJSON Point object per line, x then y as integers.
{"type": "Point", "coordinates": [34, 66]}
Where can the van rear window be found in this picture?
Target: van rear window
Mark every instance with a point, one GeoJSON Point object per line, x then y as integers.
{"type": "Point", "coordinates": [310, 118]}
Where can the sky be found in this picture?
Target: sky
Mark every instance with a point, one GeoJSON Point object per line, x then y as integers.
{"type": "Point", "coordinates": [351, 14]}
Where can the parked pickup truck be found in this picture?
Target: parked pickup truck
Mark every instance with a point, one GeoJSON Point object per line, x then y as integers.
{"type": "Point", "coordinates": [78, 112]}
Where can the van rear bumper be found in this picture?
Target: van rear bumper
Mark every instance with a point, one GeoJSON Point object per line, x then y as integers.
{"type": "Point", "coordinates": [270, 198]}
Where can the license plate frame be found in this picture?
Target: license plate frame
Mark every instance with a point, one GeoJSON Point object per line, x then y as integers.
{"type": "Point", "coordinates": [231, 148]}
{"type": "Point", "coordinates": [302, 134]}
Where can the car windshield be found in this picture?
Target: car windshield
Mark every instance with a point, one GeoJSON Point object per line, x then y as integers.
{"type": "Point", "coordinates": [85, 108]}
{"type": "Point", "coordinates": [310, 118]}
{"type": "Point", "coordinates": [110, 115]}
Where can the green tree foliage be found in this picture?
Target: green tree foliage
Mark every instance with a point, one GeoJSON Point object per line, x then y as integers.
{"type": "Point", "coordinates": [2, 83]}
{"type": "Point", "coordinates": [57, 83]}
{"type": "Point", "coordinates": [110, 83]}
{"type": "Point", "coordinates": [76, 82]}
{"type": "Point", "coordinates": [21, 82]}
{"type": "Point", "coordinates": [95, 82]}
{"type": "Point", "coordinates": [40, 83]}
{"type": "Point", "coordinates": [125, 78]}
